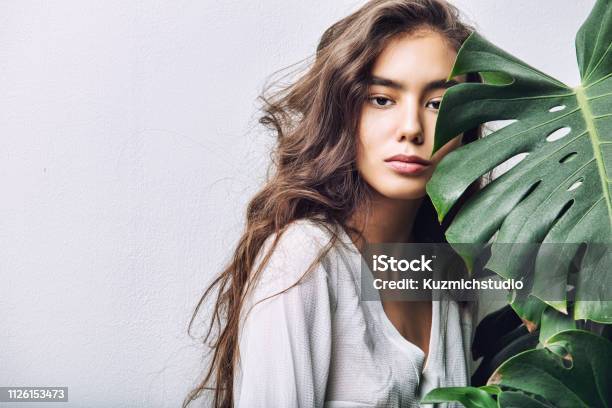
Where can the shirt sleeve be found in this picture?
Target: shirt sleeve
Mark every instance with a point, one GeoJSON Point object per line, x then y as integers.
{"type": "Point", "coordinates": [285, 340]}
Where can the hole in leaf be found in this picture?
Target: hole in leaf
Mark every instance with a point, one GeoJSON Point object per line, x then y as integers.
{"type": "Point", "coordinates": [557, 108]}
{"type": "Point", "coordinates": [496, 78]}
{"type": "Point", "coordinates": [531, 190]}
{"type": "Point", "coordinates": [507, 165]}
{"type": "Point", "coordinates": [565, 209]}
{"type": "Point", "coordinates": [558, 134]}
{"type": "Point", "coordinates": [576, 264]}
{"type": "Point", "coordinates": [568, 157]}
{"type": "Point", "coordinates": [495, 125]}
{"type": "Point", "coordinates": [573, 275]}
{"type": "Point", "coordinates": [576, 184]}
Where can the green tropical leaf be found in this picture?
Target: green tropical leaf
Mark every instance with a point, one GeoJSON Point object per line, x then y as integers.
{"type": "Point", "coordinates": [511, 399]}
{"type": "Point", "coordinates": [573, 370]}
{"type": "Point", "coordinates": [521, 341]}
{"type": "Point", "coordinates": [560, 192]}
{"type": "Point", "coordinates": [470, 397]}
{"type": "Point", "coordinates": [554, 322]}
{"type": "Point", "coordinates": [530, 310]}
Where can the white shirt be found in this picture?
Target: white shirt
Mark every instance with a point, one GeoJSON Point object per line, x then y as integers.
{"type": "Point", "coordinates": [318, 345]}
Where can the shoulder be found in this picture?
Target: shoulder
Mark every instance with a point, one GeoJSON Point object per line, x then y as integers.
{"type": "Point", "coordinates": [310, 228]}
{"type": "Point", "coordinates": [300, 240]}
{"type": "Point", "coordinates": [304, 234]}
{"type": "Point", "coordinates": [300, 255]}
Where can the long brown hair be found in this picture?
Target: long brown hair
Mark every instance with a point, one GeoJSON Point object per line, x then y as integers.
{"type": "Point", "coordinates": [313, 173]}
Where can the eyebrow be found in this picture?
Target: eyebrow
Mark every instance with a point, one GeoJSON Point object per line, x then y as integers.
{"type": "Point", "coordinates": [436, 84]}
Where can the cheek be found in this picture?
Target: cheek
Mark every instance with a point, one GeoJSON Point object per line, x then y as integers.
{"type": "Point", "coordinates": [428, 121]}
{"type": "Point", "coordinates": [371, 137]}
{"type": "Point", "coordinates": [373, 127]}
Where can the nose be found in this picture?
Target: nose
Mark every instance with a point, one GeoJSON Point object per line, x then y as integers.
{"type": "Point", "coordinates": [410, 125]}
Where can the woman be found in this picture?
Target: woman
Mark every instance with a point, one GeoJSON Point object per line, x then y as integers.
{"type": "Point", "coordinates": [355, 136]}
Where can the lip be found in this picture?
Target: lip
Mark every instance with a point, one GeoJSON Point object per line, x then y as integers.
{"type": "Point", "coordinates": [411, 165]}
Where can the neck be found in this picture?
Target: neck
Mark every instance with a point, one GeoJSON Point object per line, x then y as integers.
{"type": "Point", "coordinates": [387, 220]}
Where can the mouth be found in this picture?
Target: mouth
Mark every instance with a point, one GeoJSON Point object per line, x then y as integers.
{"type": "Point", "coordinates": [409, 165]}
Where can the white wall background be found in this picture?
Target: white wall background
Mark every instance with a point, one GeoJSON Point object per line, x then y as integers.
{"type": "Point", "coordinates": [128, 150]}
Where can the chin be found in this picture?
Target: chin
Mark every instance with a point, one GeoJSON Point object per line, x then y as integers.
{"type": "Point", "coordinates": [398, 188]}
{"type": "Point", "coordinates": [404, 193]}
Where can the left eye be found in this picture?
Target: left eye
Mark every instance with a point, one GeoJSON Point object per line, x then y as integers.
{"type": "Point", "coordinates": [380, 101]}
{"type": "Point", "coordinates": [433, 104]}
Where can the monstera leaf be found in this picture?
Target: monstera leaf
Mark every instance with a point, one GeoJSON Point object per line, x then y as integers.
{"type": "Point", "coordinates": [573, 370]}
{"type": "Point", "coordinates": [560, 194]}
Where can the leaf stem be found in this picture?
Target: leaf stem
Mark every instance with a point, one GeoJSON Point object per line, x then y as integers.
{"type": "Point", "coordinates": [589, 119]}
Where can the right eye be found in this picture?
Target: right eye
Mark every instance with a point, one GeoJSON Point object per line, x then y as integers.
{"type": "Point", "coordinates": [380, 101]}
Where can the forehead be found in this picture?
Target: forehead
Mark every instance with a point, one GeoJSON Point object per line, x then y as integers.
{"type": "Point", "coordinates": [415, 58]}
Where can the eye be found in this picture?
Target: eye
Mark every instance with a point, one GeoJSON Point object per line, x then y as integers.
{"type": "Point", "coordinates": [380, 101]}
{"type": "Point", "coordinates": [433, 104]}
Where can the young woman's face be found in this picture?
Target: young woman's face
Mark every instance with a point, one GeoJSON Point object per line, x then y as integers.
{"type": "Point", "coordinates": [396, 128]}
